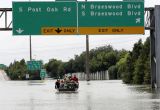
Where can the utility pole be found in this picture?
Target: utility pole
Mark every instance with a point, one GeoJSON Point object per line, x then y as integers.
{"type": "Point", "coordinates": [30, 47]}
{"type": "Point", "coordinates": [87, 56]}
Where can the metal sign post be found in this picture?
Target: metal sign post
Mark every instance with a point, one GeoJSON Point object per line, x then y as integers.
{"type": "Point", "coordinates": [157, 44]}
{"type": "Point", "coordinates": [87, 56]}
{"type": "Point", "coordinates": [30, 46]}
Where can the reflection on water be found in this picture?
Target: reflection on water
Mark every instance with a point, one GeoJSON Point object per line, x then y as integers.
{"type": "Point", "coordinates": [93, 95]}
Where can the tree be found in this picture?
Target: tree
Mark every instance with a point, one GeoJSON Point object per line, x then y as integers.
{"type": "Point", "coordinates": [127, 76]}
{"type": "Point", "coordinates": [136, 67]}
{"type": "Point", "coordinates": [17, 70]}
{"type": "Point", "coordinates": [121, 65]}
{"type": "Point", "coordinates": [138, 77]}
{"type": "Point", "coordinates": [61, 70]}
{"type": "Point", "coordinates": [142, 66]}
{"type": "Point", "coordinates": [79, 63]}
{"type": "Point", "coordinates": [113, 72]}
{"type": "Point", "coordinates": [52, 68]}
{"type": "Point", "coordinates": [94, 65]}
{"type": "Point", "coordinates": [147, 75]}
{"type": "Point", "coordinates": [137, 50]}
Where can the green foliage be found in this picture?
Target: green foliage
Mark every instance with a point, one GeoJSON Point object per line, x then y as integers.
{"type": "Point", "coordinates": [17, 70]}
{"type": "Point", "coordinates": [113, 70]}
{"type": "Point", "coordinates": [103, 58]}
{"type": "Point", "coordinates": [122, 53]}
{"type": "Point", "coordinates": [54, 68]}
{"type": "Point", "coordinates": [79, 63]}
{"type": "Point", "coordinates": [100, 60]}
{"type": "Point", "coordinates": [121, 65]}
{"type": "Point", "coordinates": [128, 73]}
{"type": "Point", "coordinates": [142, 66]}
{"type": "Point", "coordinates": [147, 75]}
{"type": "Point", "coordinates": [137, 50]}
{"type": "Point", "coordinates": [132, 67]}
{"type": "Point", "coordinates": [135, 67]}
{"type": "Point", "coordinates": [138, 77]}
{"type": "Point", "coordinates": [3, 67]}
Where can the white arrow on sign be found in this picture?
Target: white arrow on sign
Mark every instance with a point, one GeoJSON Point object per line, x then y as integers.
{"type": "Point", "coordinates": [19, 30]}
{"type": "Point", "coordinates": [138, 20]}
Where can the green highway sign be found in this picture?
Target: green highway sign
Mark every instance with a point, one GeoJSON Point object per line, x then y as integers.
{"type": "Point", "coordinates": [114, 17]}
{"type": "Point", "coordinates": [43, 73]}
{"type": "Point", "coordinates": [64, 0]}
{"type": "Point", "coordinates": [34, 65]}
{"type": "Point", "coordinates": [2, 66]}
{"type": "Point", "coordinates": [133, 0]}
{"type": "Point", "coordinates": [43, 18]}
{"type": "Point", "coordinates": [71, 17]}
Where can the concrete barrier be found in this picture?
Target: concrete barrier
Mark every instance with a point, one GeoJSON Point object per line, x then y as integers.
{"type": "Point", "coordinates": [102, 75]}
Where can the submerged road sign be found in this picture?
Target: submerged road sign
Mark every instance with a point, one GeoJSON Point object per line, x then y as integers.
{"type": "Point", "coordinates": [115, 17]}
{"type": "Point", "coordinates": [69, 18]}
{"type": "Point", "coordinates": [44, 18]}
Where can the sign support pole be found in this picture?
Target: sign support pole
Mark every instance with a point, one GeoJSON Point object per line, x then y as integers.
{"type": "Point", "coordinates": [30, 42]}
{"type": "Point", "coordinates": [152, 49]}
{"type": "Point", "coordinates": [30, 45]}
{"type": "Point", "coordinates": [157, 48]}
{"type": "Point", "coordinates": [87, 56]}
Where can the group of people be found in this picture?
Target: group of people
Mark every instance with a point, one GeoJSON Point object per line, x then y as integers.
{"type": "Point", "coordinates": [67, 82]}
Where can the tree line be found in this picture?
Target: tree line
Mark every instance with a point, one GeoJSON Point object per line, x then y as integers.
{"type": "Point", "coordinates": [130, 66]}
{"type": "Point", "coordinates": [101, 59]}
{"type": "Point", "coordinates": [135, 66]}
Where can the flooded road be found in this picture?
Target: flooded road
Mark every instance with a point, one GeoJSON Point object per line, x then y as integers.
{"type": "Point", "coordinates": [93, 95]}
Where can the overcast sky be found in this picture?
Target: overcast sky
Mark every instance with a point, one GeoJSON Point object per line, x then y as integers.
{"type": "Point", "coordinates": [59, 47]}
